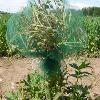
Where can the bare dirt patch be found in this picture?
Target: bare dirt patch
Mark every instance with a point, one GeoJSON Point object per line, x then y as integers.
{"type": "Point", "coordinates": [13, 70]}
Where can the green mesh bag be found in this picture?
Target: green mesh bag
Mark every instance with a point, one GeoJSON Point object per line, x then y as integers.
{"type": "Point", "coordinates": [47, 29]}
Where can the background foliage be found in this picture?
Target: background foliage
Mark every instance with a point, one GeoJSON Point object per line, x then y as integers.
{"type": "Point", "coordinates": [3, 27]}
{"type": "Point", "coordinates": [92, 26]}
{"type": "Point", "coordinates": [91, 11]}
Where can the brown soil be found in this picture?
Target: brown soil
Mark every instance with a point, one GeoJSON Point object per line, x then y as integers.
{"type": "Point", "coordinates": [13, 70]}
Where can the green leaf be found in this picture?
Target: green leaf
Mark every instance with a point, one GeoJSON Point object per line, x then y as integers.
{"type": "Point", "coordinates": [84, 65]}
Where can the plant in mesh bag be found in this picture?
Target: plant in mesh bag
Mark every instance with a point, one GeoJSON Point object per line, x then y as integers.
{"type": "Point", "coordinates": [47, 29]}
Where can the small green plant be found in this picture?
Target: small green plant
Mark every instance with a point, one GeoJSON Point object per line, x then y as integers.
{"type": "Point", "coordinates": [35, 87]}
{"type": "Point", "coordinates": [77, 90]}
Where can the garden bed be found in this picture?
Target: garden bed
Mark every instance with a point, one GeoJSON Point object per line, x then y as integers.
{"type": "Point", "coordinates": [15, 69]}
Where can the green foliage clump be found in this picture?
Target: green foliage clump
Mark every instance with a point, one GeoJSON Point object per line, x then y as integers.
{"type": "Point", "coordinates": [3, 27]}
{"type": "Point", "coordinates": [34, 87]}
{"type": "Point", "coordinates": [92, 26]}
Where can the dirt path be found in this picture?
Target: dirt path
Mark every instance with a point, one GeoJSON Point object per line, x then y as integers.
{"type": "Point", "coordinates": [16, 69]}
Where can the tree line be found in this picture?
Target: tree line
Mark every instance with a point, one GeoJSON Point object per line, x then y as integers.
{"type": "Point", "coordinates": [91, 11]}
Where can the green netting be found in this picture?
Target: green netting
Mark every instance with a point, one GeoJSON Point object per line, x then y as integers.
{"type": "Point", "coordinates": [47, 29]}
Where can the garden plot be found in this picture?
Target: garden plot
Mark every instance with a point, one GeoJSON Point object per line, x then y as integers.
{"type": "Point", "coordinates": [14, 70]}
